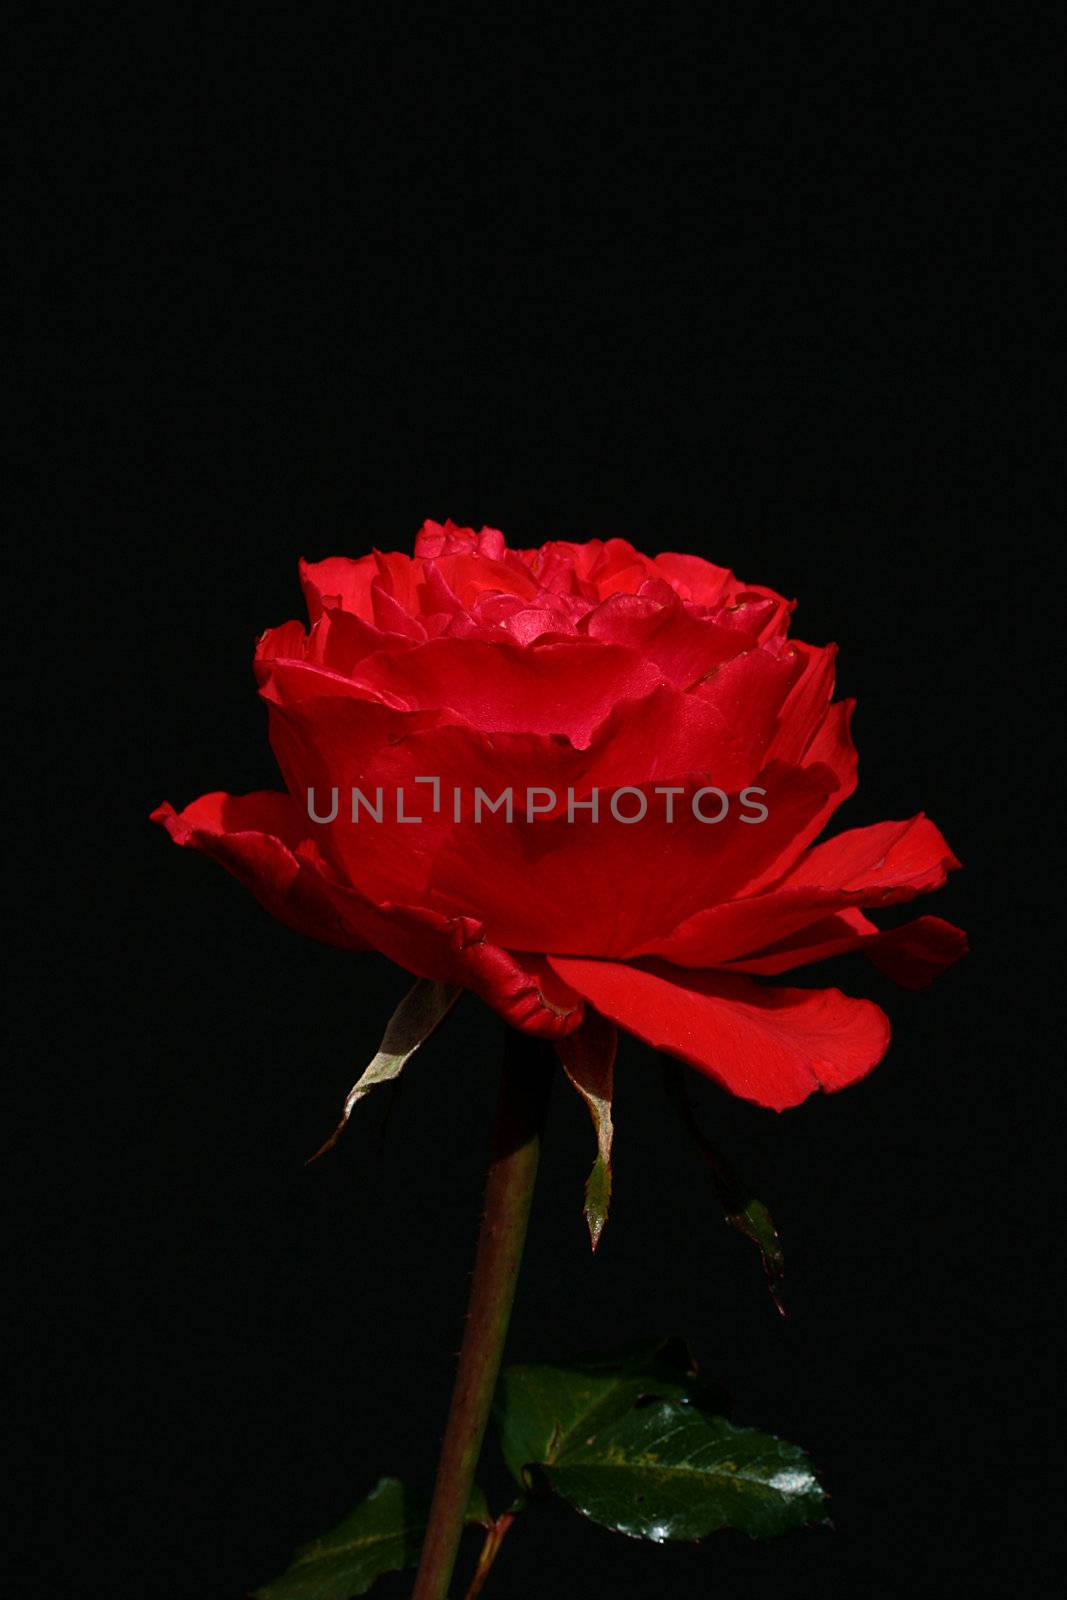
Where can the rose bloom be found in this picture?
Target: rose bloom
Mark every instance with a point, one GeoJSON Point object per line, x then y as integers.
{"type": "Point", "coordinates": [576, 667]}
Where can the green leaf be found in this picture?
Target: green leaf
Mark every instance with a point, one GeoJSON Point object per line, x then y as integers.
{"type": "Point", "coordinates": [421, 1011]}
{"type": "Point", "coordinates": [751, 1218]}
{"type": "Point", "coordinates": [668, 1470]}
{"type": "Point", "coordinates": [383, 1534]}
{"type": "Point", "coordinates": [636, 1441]}
{"type": "Point", "coordinates": [478, 1509]}
{"type": "Point", "coordinates": [588, 1058]}
{"type": "Point", "coordinates": [544, 1409]}
{"type": "Point", "coordinates": [742, 1211]}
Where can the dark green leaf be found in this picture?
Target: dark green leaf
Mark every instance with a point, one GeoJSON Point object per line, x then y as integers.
{"type": "Point", "coordinates": [636, 1441]}
{"type": "Point", "coordinates": [752, 1218]}
{"type": "Point", "coordinates": [742, 1211]}
{"type": "Point", "coordinates": [383, 1534]}
{"type": "Point", "coordinates": [543, 1409]}
{"type": "Point", "coordinates": [668, 1470]}
{"type": "Point", "coordinates": [478, 1508]}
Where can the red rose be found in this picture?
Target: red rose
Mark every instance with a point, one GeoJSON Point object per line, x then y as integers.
{"type": "Point", "coordinates": [661, 683]}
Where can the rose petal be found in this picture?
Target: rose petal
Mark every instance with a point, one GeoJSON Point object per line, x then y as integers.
{"type": "Point", "coordinates": [913, 955]}
{"type": "Point", "coordinates": [773, 1046]}
{"type": "Point", "coordinates": [286, 875]}
{"type": "Point", "coordinates": [884, 864]}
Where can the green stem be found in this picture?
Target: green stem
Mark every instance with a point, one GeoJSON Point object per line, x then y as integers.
{"type": "Point", "coordinates": [525, 1079]}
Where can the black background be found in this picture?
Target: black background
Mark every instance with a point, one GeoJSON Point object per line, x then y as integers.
{"type": "Point", "coordinates": [764, 288]}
